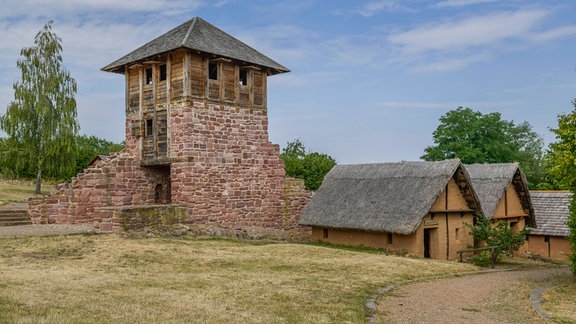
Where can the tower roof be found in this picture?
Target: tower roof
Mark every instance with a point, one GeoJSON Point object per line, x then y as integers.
{"type": "Point", "coordinates": [199, 35]}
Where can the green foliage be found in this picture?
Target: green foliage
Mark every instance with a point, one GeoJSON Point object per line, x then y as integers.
{"type": "Point", "coordinates": [474, 137]}
{"type": "Point", "coordinates": [88, 147]}
{"type": "Point", "coordinates": [572, 236]}
{"type": "Point", "coordinates": [482, 260]}
{"type": "Point", "coordinates": [293, 154]}
{"type": "Point", "coordinates": [499, 235]}
{"type": "Point", "coordinates": [562, 168]}
{"type": "Point", "coordinates": [312, 167]}
{"type": "Point", "coordinates": [562, 153]}
{"type": "Point", "coordinates": [41, 121]}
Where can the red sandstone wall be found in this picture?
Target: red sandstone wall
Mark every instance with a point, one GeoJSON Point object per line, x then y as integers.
{"type": "Point", "coordinates": [224, 171]}
{"type": "Point", "coordinates": [229, 175]}
{"type": "Point", "coordinates": [117, 181]}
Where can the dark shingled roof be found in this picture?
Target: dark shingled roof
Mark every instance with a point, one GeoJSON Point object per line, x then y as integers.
{"type": "Point", "coordinates": [490, 182]}
{"type": "Point", "coordinates": [552, 209]}
{"type": "Point", "coordinates": [387, 197]}
{"type": "Point", "coordinates": [199, 35]}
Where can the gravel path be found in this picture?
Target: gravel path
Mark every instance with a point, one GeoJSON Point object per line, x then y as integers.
{"type": "Point", "coordinates": [52, 229]}
{"type": "Point", "coordinates": [494, 297]}
{"type": "Point", "coordinates": [27, 230]}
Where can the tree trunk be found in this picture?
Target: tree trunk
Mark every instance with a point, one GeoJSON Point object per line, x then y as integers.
{"type": "Point", "coordinates": [38, 182]}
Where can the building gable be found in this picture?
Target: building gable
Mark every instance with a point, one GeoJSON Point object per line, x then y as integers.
{"type": "Point", "coordinates": [452, 199]}
{"type": "Point", "coordinates": [509, 205]}
{"type": "Point", "coordinates": [491, 182]}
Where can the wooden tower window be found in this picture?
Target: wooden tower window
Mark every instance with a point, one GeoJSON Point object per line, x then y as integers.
{"type": "Point", "coordinates": [163, 72]}
{"type": "Point", "coordinates": [213, 71]}
{"type": "Point", "coordinates": [243, 77]}
{"type": "Point", "coordinates": [149, 127]}
{"type": "Point", "coordinates": [149, 76]}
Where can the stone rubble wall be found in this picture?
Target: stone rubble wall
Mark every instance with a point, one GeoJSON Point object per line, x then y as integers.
{"type": "Point", "coordinates": [113, 182]}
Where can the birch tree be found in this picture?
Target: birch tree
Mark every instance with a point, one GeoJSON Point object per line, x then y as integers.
{"type": "Point", "coordinates": [41, 121]}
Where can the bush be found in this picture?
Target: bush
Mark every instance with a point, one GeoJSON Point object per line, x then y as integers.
{"type": "Point", "coordinates": [500, 235]}
{"type": "Point", "coordinates": [482, 260]}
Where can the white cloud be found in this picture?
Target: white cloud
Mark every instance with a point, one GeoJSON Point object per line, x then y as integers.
{"type": "Point", "coordinates": [466, 33]}
{"type": "Point", "coordinates": [461, 3]}
{"type": "Point", "coordinates": [549, 35]}
{"type": "Point", "coordinates": [415, 105]}
{"type": "Point", "coordinates": [373, 8]}
{"type": "Point", "coordinates": [83, 8]}
{"type": "Point", "coordinates": [448, 64]}
{"type": "Point", "coordinates": [476, 105]}
{"type": "Point", "coordinates": [540, 87]}
{"type": "Point", "coordinates": [455, 44]}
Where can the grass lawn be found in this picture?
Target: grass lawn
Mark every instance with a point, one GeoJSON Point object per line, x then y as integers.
{"type": "Point", "coordinates": [18, 191]}
{"type": "Point", "coordinates": [560, 301]}
{"type": "Point", "coordinates": [106, 278]}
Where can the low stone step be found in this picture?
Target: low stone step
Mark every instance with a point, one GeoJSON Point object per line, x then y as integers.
{"type": "Point", "coordinates": [13, 217]}
{"type": "Point", "coordinates": [15, 222]}
{"type": "Point", "coordinates": [11, 213]}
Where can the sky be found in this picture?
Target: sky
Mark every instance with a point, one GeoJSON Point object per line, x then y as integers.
{"type": "Point", "coordinates": [369, 80]}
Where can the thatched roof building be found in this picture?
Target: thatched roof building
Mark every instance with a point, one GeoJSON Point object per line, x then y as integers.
{"type": "Point", "coordinates": [490, 182]}
{"type": "Point", "coordinates": [552, 210]}
{"type": "Point", "coordinates": [387, 197]}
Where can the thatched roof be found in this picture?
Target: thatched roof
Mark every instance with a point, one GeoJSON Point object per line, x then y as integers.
{"type": "Point", "coordinates": [552, 209]}
{"type": "Point", "coordinates": [490, 182]}
{"type": "Point", "coordinates": [387, 197]}
{"type": "Point", "coordinates": [97, 158]}
{"type": "Point", "coordinates": [199, 35]}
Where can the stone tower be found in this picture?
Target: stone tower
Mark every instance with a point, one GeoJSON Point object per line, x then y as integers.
{"type": "Point", "coordinates": [196, 137]}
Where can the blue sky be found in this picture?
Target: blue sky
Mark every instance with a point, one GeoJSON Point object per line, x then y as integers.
{"type": "Point", "coordinates": [369, 79]}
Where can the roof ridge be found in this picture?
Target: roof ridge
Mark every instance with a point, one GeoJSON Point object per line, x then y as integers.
{"type": "Point", "coordinates": [185, 40]}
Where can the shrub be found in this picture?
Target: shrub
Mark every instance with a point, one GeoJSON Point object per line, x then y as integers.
{"type": "Point", "coordinates": [499, 235]}
{"type": "Point", "coordinates": [482, 260]}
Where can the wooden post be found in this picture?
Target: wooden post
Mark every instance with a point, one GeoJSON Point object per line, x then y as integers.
{"type": "Point", "coordinates": [493, 256]}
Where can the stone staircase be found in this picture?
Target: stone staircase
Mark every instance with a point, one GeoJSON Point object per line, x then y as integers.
{"type": "Point", "coordinates": [14, 214]}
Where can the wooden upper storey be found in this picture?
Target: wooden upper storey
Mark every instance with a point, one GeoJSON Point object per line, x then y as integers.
{"type": "Point", "coordinates": [176, 76]}
{"type": "Point", "coordinates": [195, 60]}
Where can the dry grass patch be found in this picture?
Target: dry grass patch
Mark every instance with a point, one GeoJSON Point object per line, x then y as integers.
{"type": "Point", "coordinates": [559, 301]}
{"type": "Point", "coordinates": [15, 191]}
{"type": "Point", "coordinates": [93, 279]}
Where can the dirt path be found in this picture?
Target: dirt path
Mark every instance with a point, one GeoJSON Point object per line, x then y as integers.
{"type": "Point", "coordinates": [40, 230]}
{"type": "Point", "coordinates": [495, 297]}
